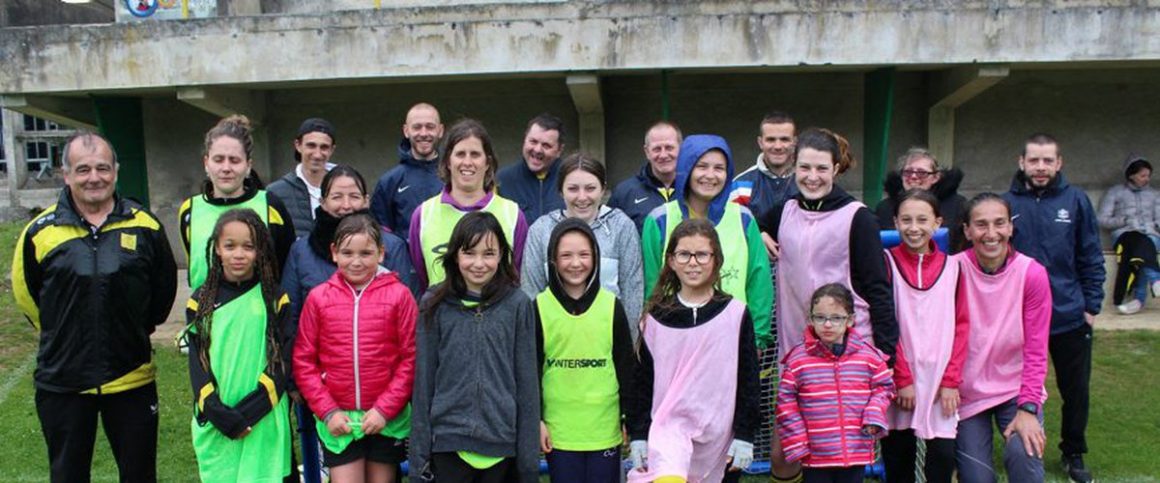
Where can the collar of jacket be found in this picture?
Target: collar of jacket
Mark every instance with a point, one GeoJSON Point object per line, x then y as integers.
{"type": "Point", "coordinates": [249, 190]}
{"type": "Point", "coordinates": [836, 198]}
{"type": "Point", "coordinates": [1020, 185]}
{"type": "Point", "coordinates": [67, 214]}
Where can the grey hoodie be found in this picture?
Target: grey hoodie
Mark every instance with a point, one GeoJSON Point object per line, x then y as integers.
{"type": "Point", "coordinates": [1124, 208]}
{"type": "Point", "coordinates": [477, 384]}
{"type": "Point", "coordinates": [621, 268]}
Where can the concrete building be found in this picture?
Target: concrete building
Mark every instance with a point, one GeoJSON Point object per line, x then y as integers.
{"type": "Point", "coordinates": [969, 78]}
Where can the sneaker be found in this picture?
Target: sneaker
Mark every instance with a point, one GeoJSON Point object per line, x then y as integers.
{"type": "Point", "coordinates": [1130, 307]}
{"type": "Point", "coordinates": [1076, 472]}
{"type": "Point", "coordinates": [1156, 289]}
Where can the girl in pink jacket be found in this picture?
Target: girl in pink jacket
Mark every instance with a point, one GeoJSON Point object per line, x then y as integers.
{"type": "Point", "coordinates": [833, 395]}
{"type": "Point", "coordinates": [354, 360]}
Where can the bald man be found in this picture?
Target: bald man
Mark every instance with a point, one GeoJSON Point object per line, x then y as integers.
{"type": "Point", "coordinates": [414, 180]}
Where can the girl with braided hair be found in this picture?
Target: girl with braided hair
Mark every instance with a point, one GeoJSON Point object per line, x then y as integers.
{"type": "Point", "coordinates": [237, 365]}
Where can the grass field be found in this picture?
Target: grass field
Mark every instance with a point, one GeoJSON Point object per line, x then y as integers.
{"type": "Point", "coordinates": [1124, 434]}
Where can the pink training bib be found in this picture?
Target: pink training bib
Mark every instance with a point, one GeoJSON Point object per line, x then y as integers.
{"type": "Point", "coordinates": [815, 250]}
{"type": "Point", "coordinates": [694, 396]}
{"type": "Point", "coordinates": [926, 320]}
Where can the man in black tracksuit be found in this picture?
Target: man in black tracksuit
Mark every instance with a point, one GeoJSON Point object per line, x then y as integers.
{"type": "Point", "coordinates": [1056, 225]}
{"type": "Point", "coordinates": [75, 267]}
{"type": "Point", "coordinates": [531, 182]}
{"type": "Point", "coordinates": [653, 186]}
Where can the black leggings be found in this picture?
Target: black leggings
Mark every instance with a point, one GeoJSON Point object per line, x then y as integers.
{"type": "Point", "coordinates": [450, 468]}
{"type": "Point", "coordinates": [900, 449]}
{"type": "Point", "coordinates": [833, 475]}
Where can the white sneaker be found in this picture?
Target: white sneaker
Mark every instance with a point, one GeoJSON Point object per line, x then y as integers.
{"type": "Point", "coordinates": [1156, 288]}
{"type": "Point", "coordinates": [1130, 307]}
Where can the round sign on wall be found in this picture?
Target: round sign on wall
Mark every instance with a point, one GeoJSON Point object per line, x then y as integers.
{"type": "Point", "coordinates": [141, 8]}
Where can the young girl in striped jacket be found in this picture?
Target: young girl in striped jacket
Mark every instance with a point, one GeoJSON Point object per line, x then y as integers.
{"type": "Point", "coordinates": [834, 392]}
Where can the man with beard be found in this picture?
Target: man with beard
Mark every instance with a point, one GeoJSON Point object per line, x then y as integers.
{"type": "Point", "coordinates": [531, 182]}
{"type": "Point", "coordinates": [414, 179]}
{"type": "Point", "coordinates": [653, 185]}
{"type": "Point", "coordinates": [1056, 225]}
{"type": "Point", "coordinates": [300, 190]}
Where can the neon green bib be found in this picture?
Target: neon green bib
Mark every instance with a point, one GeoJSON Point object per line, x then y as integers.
{"type": "Point", "coordinates": [203, 216]}
{"type": "Point", "coordinates": [398, 428]}
{"type": "Point", "coordinates": [580, 392]}
{"type": "Point", "coordinates": [734, 246]}
{"type": "Point", "coordinates": [438, 220]}
{"type": "Point", "coordinates": [237, 357]}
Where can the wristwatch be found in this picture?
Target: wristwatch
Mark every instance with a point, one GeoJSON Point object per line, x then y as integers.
{"type": "Point", "coordinates": [1030, 407]}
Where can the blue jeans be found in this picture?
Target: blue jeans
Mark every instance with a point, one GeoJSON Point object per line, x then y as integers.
{"type": "Point", "coordinates": [1147, 276]}
{"type": "Point", "coordinates": [973, 449]}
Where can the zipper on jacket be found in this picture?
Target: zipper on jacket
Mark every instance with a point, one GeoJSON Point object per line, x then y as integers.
{"type": "Point", "coordinates": [354, 337]}
{"type": "Point", "coordinates": [920, 256]}
{"type": "Point", "coordinates": [841, 415]}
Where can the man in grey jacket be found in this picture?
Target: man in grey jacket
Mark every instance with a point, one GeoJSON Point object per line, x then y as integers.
{"type": "Point", "coordinates": [301, 188]}
{"type": "Point", "coordinates": [1131, 210]}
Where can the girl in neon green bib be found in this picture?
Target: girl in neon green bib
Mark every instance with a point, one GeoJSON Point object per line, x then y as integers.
{"type": "Point", "coordinates": [585, 359]}
{"type": "Point", "coordinates": [238, 369]}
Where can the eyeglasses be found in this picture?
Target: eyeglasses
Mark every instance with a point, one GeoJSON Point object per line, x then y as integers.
{"type": "Point", "coordinates": [684, 257]}
{"type": "Point", "coordinates": [917, 173]}
{"type": "Point", "coordinates": [821, 320]}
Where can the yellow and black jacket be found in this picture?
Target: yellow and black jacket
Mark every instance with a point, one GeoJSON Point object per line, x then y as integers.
{"type": "Point", "coordinates": [95, 294]}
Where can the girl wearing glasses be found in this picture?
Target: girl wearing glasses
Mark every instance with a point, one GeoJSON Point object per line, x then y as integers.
{"type": "Point", "coordinates": [693, 407]}
{"type": "Point", "coordinates": [824, 235]}
{"type": "Point", "coordinates": [918, 169]}
{"type": "Point", "coordinates": [834, 393]}
{"type": "Point", "coordinates": [933, 320]}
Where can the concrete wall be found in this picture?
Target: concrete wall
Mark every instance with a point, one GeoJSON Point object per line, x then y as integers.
{"type": "Point", "coordinates": [580, 35]}
{"type": "Point", "coordinates": [1098, 115]}
{"type": "Point", "coordinates": [315, 6]}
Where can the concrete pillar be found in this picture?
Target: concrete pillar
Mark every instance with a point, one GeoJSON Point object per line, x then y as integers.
{"type": "Point", "coordinates": [14, 155]}
{"type": "Point", "coordinates": [878, 112]}
{"type": "Point", "coordinates": [952, 89]}
{"type": "Point", "coordinates": [585, 90]}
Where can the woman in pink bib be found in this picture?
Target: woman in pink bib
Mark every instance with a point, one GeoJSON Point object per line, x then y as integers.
{"type": "Point", "coordinates": [933, 320]}
{"type": "Point", "coordinates": [823, 235]}
{"type": "Point", "coordinates": [1009, 299]}
{"type": "Point", "coordinates": [693, 408]}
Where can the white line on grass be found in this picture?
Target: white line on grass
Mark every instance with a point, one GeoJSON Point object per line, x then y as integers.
{"type": "Point", "coordinates": [15, 376]}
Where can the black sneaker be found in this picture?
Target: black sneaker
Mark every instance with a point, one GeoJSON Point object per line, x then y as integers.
{"type": "Point", "coordinates": [1076, 471]}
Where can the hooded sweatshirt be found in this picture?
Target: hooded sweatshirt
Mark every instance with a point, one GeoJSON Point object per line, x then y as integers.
{"type": "Point", "coordinates": [620, 262]}
{"type": "Point", "coordinates": [950, 203]}
{"type": "Point", "coordinates": [404, 188]}
{"type": "Point", "coordinates": [619, 352]}
{"type": "Point", "coordinates": [745, 274]}
{"type": "Point", "coordinates": [1126, 208]}
{"type": "Point", "coordinates": [1057, 227]}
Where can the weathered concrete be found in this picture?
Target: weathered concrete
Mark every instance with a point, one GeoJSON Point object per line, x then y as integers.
{"type": "Point", "coordinates": [581, 35]}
